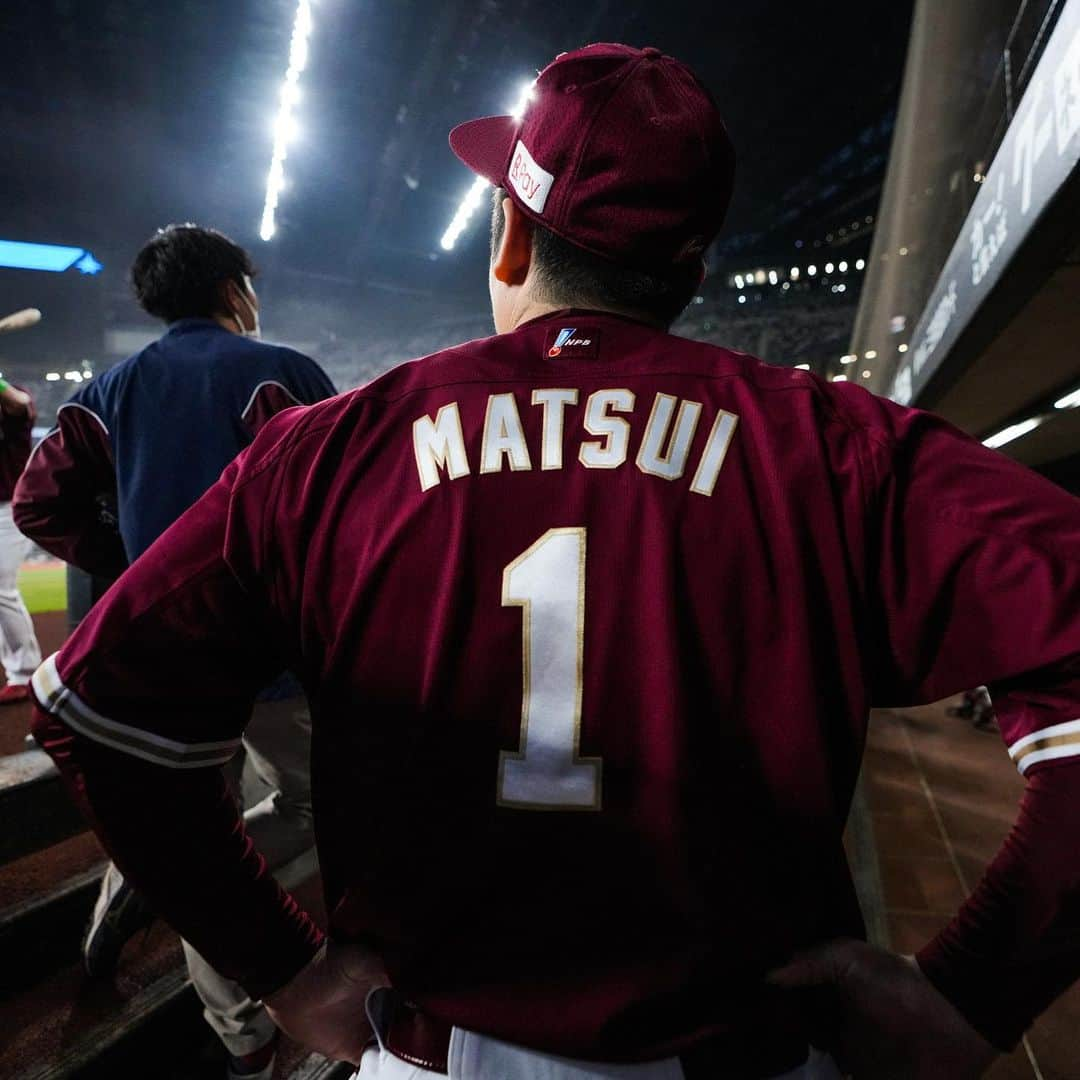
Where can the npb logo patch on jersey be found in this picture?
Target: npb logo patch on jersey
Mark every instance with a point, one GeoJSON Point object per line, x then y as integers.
{"type": "Point", "coordinates": [569, 338]}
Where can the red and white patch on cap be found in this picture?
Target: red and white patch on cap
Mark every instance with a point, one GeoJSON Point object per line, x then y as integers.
{"type": "Point", "coordinates": [529, 180]}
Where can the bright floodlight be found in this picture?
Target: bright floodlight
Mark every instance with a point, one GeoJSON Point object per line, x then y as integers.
{"type": "Point", "coordinates": [1013, 431]}
{"type": "Point", "coordinates": [773, 278]}
{"type": "Point", "coordinates": [1069, 401]}
{"type": "Point", "coordinates": [474, 197]}
{"type": "Point", "coordinates": [860, 264]}
{"type": "Point", "coordinates": [738, 281]}
{"type": "Point", "coordinates": [286, 128]}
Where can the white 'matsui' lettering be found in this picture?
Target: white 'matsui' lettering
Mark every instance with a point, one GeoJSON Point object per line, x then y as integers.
{"type": "Point", "coordinates": [651, 458]}
{"type": "Point", "coordinates": [439, 444]}
{"type": "Point", "coordinates": [554, 403]}
{"type": "Point", "coordinates": [611, 453]}
{"type": "Point", "coordinates": [503, 435]}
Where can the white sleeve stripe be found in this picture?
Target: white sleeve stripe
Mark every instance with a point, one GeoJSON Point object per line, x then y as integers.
{"type": "Point", "coordinates": [255, 394]}
{"type": "Point", "coordinates": [48, 435]}
{"type": "Point", "coordinates": [55, 430]}
{"type": "Point", "coordinates": [1070, 727]}
{"type": "Point", "coordinates": [79, 405]}
{"type": "Point", "coordinates": [56, 698]}
{"type": "Point", "coordinates": [1051, 753]}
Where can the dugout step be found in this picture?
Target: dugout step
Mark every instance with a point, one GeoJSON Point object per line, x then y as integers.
{"type": "Point", "coordinates": [44, 933]}
{"type": "Point", "coordinates": [34, 805]}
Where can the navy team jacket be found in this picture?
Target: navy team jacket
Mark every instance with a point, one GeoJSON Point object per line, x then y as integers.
{"type": "Point", "coordinates": [139, 444]}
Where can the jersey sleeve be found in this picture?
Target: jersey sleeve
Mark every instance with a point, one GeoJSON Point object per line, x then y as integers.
{"type": "Point", "coordinates": [65, 498]}
{"type": "Point", "coordinates": [152, 693]}
{"type": "Point", "coordinates": [977, 582]}
{"type": "Point", "coordinates": [302, 382]}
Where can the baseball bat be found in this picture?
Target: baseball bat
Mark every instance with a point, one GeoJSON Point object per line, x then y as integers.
{"type": "Point", "coordinates": [19, 320]}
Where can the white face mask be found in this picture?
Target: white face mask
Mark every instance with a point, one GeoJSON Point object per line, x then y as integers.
{"type": "Point", "coordinates": [256, 330]}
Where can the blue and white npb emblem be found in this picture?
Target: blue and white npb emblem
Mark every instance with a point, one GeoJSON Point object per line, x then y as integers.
{"type": "Point", "coordinates": [560, 341]}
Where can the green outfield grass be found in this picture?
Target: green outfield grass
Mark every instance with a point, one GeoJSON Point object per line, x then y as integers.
{"type": "Point", "coordinates": [44, 587]}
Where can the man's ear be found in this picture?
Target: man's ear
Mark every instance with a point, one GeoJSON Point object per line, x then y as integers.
{"type": "Point", "coordinates": [514, 257]}
{"type": "Point", "coordinates": [228, 296]}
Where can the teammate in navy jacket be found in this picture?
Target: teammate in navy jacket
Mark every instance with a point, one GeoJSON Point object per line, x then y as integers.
{"type": "Point", "coordinates": [182, 408]}
{"type": "Point", "coordinates": [137, 447]}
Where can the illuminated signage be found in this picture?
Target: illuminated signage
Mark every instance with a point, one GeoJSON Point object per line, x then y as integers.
{"type": "Point", "coordinates": [50, 257]}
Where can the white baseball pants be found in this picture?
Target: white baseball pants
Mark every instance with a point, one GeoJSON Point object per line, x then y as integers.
{"type": "Point", "coordinates": [476, 1057]}
{"type": "Point", "coordinates": [19, 650]}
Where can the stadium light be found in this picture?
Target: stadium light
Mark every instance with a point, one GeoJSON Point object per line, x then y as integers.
{"type": "Point", "coordinates": [839, 378]}
{"type": "Point", "coordinates": [811, 270]}
{"type": "Point", "coordinates": [1013, 431]}
{"type": "Point", "coordinates": [866, 374]}
{"type": "Point", "coordinates": [1069, 401]}
{"type": "Point", "coordinates": [860, 264]}
{"type": "Point", "coordinates": [738, 281]}
{"type": "Point", "coordinates": [901, 348]}
{"type": "Point", "coordinates": [742, 298]}
{"type": "Point", "coordinates": [285, 127]}
{"type": "Point", "coordinates": [871, 354]}
{"type": "Point", "coordinates": [849, 358]}
{"type": "Point", "coordinates": [52, 376]}
{"type": "Point", "coordinates": [474, 197]}
{"type": "Point", "coordinates": [773, 277]}
{"type": "Point", "coordinates": [828, 268]}
{"type": "Point", "coordinates": [73, 376]}
{"type": "Point", "coordinates": [759, 277]}
{"type": "Point", "coordinates": [802, 367]}
{"type": "Point", "coordinates": [794, 273]}
{"type": "Point", "coordinates": [842, 268]}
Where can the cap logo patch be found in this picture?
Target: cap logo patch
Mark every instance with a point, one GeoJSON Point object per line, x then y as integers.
{"type": "Point", "coordinates": [530, 181]}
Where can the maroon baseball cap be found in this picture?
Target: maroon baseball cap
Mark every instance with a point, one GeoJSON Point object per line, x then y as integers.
{"type": "Point", "coordinates": [621, 151]}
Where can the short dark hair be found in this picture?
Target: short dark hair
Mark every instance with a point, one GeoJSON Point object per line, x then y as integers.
{"type": "Point", "coordinates": [573, 277]}
{"type": "Point", "coordinates": [180, 270]}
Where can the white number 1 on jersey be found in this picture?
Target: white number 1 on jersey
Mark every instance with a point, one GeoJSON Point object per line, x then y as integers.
{"type": "Point", "coordinates": [547, 581]}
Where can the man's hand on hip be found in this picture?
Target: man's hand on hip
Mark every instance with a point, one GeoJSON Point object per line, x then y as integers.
{"type": "Point", "coordinates": [322, 1007]}
{"type": "Point", "coordinates": [888, 1022]}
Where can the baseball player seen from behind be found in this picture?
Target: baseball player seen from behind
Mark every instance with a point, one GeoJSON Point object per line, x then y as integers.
{"type": "Point", "coordinates": [147, 438]}
{"type": "Point", "coordinates": [590, 618]}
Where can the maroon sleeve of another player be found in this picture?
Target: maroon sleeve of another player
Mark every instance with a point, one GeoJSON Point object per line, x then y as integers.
{"type": "Point", "coordinates": [62, 499]}
{"type": "Point", "coordinates": [977, 581]}
{"type": "Point", "coordinates": [266, 401]}
{"type": "Point", "coordinates": [150, 696]}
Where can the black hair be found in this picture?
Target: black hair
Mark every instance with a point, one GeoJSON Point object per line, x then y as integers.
{"type": "Point", "coordinates": [180, 270]}
{"type": "Point", "coordinates": [573, 277]}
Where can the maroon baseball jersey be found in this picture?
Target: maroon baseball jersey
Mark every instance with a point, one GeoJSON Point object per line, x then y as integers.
{"type": "Point", "coordinates": [590, 617]}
